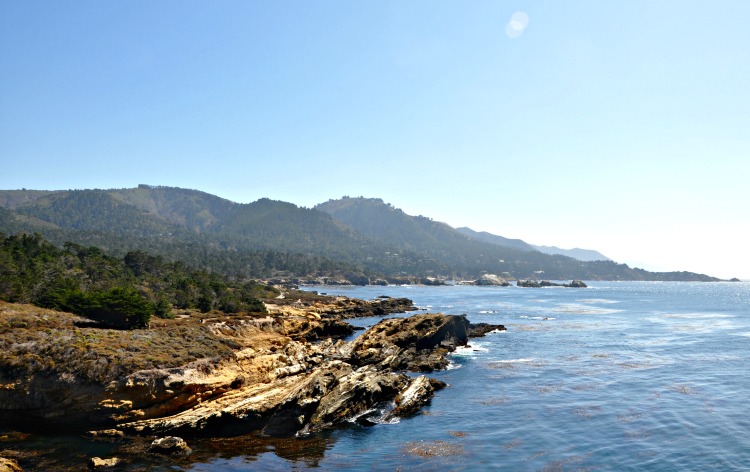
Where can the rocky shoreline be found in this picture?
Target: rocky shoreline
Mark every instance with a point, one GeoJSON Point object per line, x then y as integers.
{"type": "Point", "coordinates": [283, 375]}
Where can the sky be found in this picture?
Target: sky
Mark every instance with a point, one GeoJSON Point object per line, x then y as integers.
{"type": "Point", "coordinates": [620, 126]}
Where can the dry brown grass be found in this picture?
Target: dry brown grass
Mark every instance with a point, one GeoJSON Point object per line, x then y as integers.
{"type": "Point", "coordinates": [38, 341]}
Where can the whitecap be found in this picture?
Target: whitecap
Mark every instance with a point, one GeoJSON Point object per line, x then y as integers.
{"type": "Point", "coordinates": [544, 318]}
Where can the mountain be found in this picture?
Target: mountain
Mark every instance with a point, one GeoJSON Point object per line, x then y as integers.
{"type": "Point", "coordinates": [261, 239]}
{"type": "Point", "coordinates": [495, 239]}
{"type": "Point", "coordinates": [575, 253]}
{"type": "Point", "coordinates": [273, 238]}
{"type": "Point", "coordinates": [468, 256]}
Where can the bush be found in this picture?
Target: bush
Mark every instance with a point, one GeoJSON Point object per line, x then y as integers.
{"type": "Point", "coordinates": [121, 307]}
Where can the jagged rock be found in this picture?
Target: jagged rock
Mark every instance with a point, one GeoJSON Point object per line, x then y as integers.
{"type": "Point", "coordinates": [477, 330]}
{"type": "Point", "coordinates": [577, 284]}
{"type": "Point", "coordinates": [416, 395]}
{"type": "Point", "coordinates": [170, 445]}
{"type": "Point", "coordinates": [354, 394]}
{"type": "Point", "coordinates": [417, 343]}
{"type": "Point", "coordinates": [99, 463]}
{"type": "Point", "coordinates": [9, 465]}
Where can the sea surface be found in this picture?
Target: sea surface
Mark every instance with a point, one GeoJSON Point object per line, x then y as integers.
{"type": "Point", "coordinates": [619, 376]}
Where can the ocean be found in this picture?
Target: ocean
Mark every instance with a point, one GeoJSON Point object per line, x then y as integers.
{"type": "Point", "coordinates": [618, 376]}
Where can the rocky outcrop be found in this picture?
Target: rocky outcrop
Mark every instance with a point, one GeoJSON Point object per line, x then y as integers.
{"type": "Point", "coordinates": [311, 387]}
{"type": "Point", "coordinates": [272, 380]}
{"type": "Point", "coordinates": [547, 283]}
{"type": "Point", "coordinates": [491, 280]}
{"type": "Point", "coordinates": [337, 308]}
{"type": "Point", "coordinates": [418, 343]}
{"type": "Point", "coordinates": [478, 330]}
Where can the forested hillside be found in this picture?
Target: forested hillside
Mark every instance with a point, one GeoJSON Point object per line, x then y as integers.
{"type": "Point", "coordinates": [270, 238]}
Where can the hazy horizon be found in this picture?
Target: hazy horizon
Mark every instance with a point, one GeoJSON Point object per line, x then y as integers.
{"type": "Point", "coordinates": [619, 127]}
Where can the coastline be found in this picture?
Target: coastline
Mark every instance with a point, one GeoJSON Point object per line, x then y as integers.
{"type": "Point", "coordinates": [283, 375]}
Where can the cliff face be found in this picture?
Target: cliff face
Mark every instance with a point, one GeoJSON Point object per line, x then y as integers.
{"type": "Point", "coordinates": [273, 380]}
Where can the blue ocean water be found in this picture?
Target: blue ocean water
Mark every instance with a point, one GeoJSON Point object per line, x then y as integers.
{"type": "Point", "coordinates": [618, 376]}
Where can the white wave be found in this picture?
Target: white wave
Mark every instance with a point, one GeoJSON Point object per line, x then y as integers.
{"type": "Point", "coordinates": [697, 315]}
{"type": "Point", "coordinates": [514, 361]}
{"type": "Point", "coordinates": [453, 366]}
{"type": "Point", "coordinates": [485, 312]}
{"type": "Point", "coordinates": [545, 318]}
{"type": "Point", "coordinates": [576, 309]}
{"type": "Point", "coordinates": [469, 350]}
{"type": "Point", "coordinates": [600, 301]}
{"type": "Point", "coordinates": [376, 415]}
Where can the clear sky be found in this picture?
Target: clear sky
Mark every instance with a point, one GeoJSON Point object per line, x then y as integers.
{"type": "Point", "coordinates": [620, 126]}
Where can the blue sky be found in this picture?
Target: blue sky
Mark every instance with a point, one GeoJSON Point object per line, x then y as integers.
{"type": "Point", "coordinates": [618, 126]}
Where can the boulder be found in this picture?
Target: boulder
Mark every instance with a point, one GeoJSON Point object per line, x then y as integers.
{"type": "Point", "coordinates": [99, 463]}
{"type": "Point", "coordinates": [170, 445]}
{"type": "Point", "coordinates": [491, 280]}
{"type": "Point", "coordinates": [9, 465]}
{"type": "Point", "coordinates": [416, 395]}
